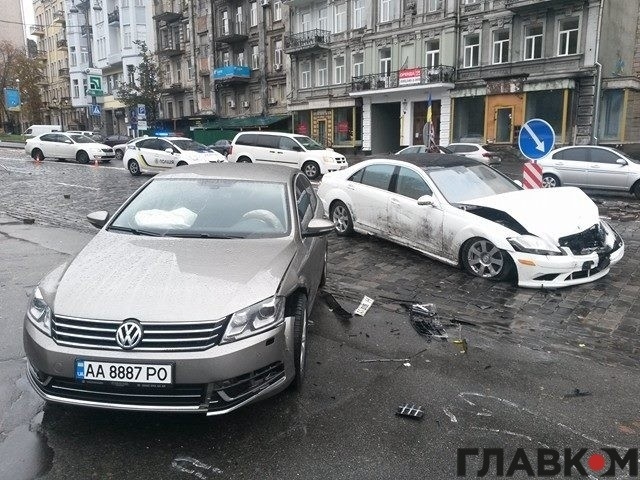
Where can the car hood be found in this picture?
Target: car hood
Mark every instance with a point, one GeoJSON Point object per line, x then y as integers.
{"type": "Point", "coordinates": [94, 146]}
{"type": "Point", "coordinates": [118, 276]}
{"type": "Point", "coordinates": [203, 157]}
{"type": "Point", "coordinates": [549, 213]}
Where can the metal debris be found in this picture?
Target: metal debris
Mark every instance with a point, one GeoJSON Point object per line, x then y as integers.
{"type": "Point", "coordinates": [411, 411]}
{"type": "Point", "coordinates": [424, 319]}
{"type": "Point", "coordinates": [335, 307]}
{"type": "Point", "coordinates": [382, 360]}
{"type": "Point", "coordinates": [364, 306]}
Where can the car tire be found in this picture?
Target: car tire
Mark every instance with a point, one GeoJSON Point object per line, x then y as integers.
{"type": "Point", "coordinates": [311, 170]}
{"type": "Point", "coordinates": [243, 160]}
{"type": "Point", "coordinates": [341, 218]}
{"type": "Point", "coordinates": [119, 155]}
{"type": "Point", "coordinates": [37, 155]}
{"type": "Point", "coordinates": [550, 181]}
{"type": "Point", "coordinates": [82, 157]}
{"type": "Point", "coordinates": [482, 258]}
{"type": "Point", "coordinates": [636, 189]}
{"type": "Point", "coordinates": [134, 167]}
{"type": "Point", "coordinates": [299, 339]}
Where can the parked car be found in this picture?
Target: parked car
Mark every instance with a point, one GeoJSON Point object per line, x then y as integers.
{"type": "Point", "coordinates": [71, 146]}
{"type": "Point", "coordinates": [422, 149]}
{"type": "Point", "coordinates": [120, 148]}
{"type": "Point", "coordinates": [222, 146]}
{"type": "Point", "coordinates": [35, 130]}
{"type": "Point", "coordinates": [475, 151]}
{"type": "Point", "coordinates": [153, 154]}
{"type": "Point", "coordinates": [97, 136]}
{"type": "Point", "coordinates": [293, 150]}
{"type": "Point", "coordinates": [194, 297]}
{"type": "Point", "coordinates": [462, 212]}
{"type": "Point", "coordinates": [113, 140]}
{"type": "Point", "coordinates": [591, 167]}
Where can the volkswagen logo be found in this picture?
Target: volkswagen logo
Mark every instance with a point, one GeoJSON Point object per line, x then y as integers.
{"type": "Point", "coordinates": [129, 334]}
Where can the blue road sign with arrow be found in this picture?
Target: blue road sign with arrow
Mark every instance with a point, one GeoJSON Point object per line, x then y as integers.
{"type": "Point", "coordinates": [536, 139]}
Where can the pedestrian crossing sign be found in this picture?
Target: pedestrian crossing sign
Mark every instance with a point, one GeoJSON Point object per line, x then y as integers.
{"type": "Point", "coordinates": [95, 110]}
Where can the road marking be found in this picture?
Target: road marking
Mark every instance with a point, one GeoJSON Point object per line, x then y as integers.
{"type": "Point", "coordinates": [78, 186]}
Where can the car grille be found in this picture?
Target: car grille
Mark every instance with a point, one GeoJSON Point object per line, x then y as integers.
{"type": "Point", "coordinates": [157, 337]}
{"type": "Point", "coordinates": [583, 243]}
{"type": "Point", "coordinates": [234, 391]}
{"type": "Point", "coordinates": [108, 150]}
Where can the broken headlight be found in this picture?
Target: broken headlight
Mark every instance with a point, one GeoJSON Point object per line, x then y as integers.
{"type": "Point", "coordinates": [39, 313]}
{"type": "Point", "coordinates": [534, 245]}
{"type": "Point", "coordinates": [255, 319]}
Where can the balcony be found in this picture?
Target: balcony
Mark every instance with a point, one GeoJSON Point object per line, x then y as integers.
{"type": "Point", "coordinates": [41, 55]}
{"type": "Point", "coordinates": [63, 72]}
{"type": "Point", "coordinates": [175, 87]}
{"type": "Point", "coordinates": [524, 5]}
{"type": "Point", "coordinates": [61, 44]}
{"type": "Point", "coordinates": [58, 17]}
{"type": "Point", "coordinates": [37, 30]}
{"type": "Point", "coordinates": [114, 17]}
{"type": "Point", "coordinates": [168, 11]}
{"type": "Point", "coordinates": [307, 41]}
{"type": "Point", "coordinates": [233, 74]}
{"type": "Point", "coordinates": [234, 32]}
{"type": "Point", "coordinates": [299, 3]}
{"type": "Point", "coordinates": [43, 81]}
{"type": "Point", "coordinates": [404, 78]}
{"type": "Point", "coordinates": [170, 50]}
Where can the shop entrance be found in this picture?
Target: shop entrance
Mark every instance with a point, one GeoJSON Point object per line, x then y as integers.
{"type": "Point", "coordinates": [504, 125]}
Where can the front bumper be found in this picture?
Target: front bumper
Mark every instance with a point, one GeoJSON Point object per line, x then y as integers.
{"type": "Point", "coordinates": [214, 381]}
{"type": "Point", "coordinates": [334, 167]}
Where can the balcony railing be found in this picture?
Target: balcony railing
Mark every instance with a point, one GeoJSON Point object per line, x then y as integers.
{"type": "Point", "coordinates": [233, 32]}
{"type": "Point", "coordinates": [61, 44]}
{"type": "Point", "coordinates": [307, 41]}
{"type": "Point", "coordinates": [404, 78]}
{"type": "Point", "coordinates": [37, 30]}
{"type": "Point", "coordinates": [114, 17]}
{"type": "Point", "coordinates": [168, 11]}
{"type": "Point", "coordinates": [170, 49]}
{"type": "Point", "coordinates": [532, 4]}
{"type": "Point", "coordinates": [545, 66]}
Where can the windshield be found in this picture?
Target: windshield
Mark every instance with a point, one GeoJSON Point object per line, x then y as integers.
{"type": "Point", "coordinates": [190, 145]}
{"type": "Point", "coordinates": [308, 143]}
{"type": "Point", "coordinates": [207, 208]}
{"type": "Point", "coordinates": [624, 155]}
{"type": "Point", "coordinates": [81, 139]}
{"type": "Point", "coordinates": [460, 183]}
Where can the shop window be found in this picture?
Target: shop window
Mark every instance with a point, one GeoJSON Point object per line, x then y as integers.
{"type": "Point", "coordinates": [547, 104]}
{"type": "Point", "coordinates": [468, 125]}
{"type": "Point", "coordinates": [343, 126]}
{"type": "Point", "coordinates": [611, 117]}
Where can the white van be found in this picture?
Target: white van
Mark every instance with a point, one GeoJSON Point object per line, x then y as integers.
{"type": "Point", "coordinates": [286, 149]}
{"type": "Point", "coordinates": [35, 130]}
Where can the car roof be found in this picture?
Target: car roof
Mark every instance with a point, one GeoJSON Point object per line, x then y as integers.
{"type": "Point", "coordinates": [257, 172]}
{"type": "Point", "coordinates": [431, 159]}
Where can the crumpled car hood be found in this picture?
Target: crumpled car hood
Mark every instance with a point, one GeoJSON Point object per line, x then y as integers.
{"type": "Point", "coordinates": [549, 213]}
{"type": "Point", "coordinates": [118, 276]}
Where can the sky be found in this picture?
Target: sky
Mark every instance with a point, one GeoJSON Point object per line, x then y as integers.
{"type": "Point", "coordinates": [27, 9]}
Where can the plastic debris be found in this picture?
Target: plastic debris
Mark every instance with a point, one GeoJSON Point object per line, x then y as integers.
{"type": "Point", "coordinates": [461, 344]}
{"type": "Point", "coordinates": [577, 393]}
{"type": "Point", "coordinates": [364, 306]}
{"type": "Point", "coordinates": [411, 411]}
{"type": "Point", "coordinates": [424, 319]}
{"type": "Point", "coordinates": [335, 307]}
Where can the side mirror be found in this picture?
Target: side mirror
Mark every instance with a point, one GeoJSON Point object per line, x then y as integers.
{"type": "Point", "coordinates": [518, 182]}
{"type": "Point", "coordinates": [169, 150]}
{"type": "Point", "coordinates": [622, 161]}
{"type": "Point", "coordinates": [318, 227]}
{"type": "Point", "coordinates": [298, 148]}
{"type": "Point", "coordinates": [98, 219]}
{"type": "Point", "coordinates": [426, 200]}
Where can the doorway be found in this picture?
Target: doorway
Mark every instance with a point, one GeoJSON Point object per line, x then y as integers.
{"type": "Point", "coordinates": [504, 122]}
{"type": "Point", "coordinates": [322, 132]}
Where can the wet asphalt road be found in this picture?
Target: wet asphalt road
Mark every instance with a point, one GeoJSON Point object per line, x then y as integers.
{"type": "Point", "coordinates": [511, 389]}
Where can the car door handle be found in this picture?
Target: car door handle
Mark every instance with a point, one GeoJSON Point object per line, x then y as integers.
{"type": "Point", "coordinates": [559, 164]}
{"type": "Point", "coordinates": [595, 166]}
{"type": "Point", "coordinates": [272, 151]}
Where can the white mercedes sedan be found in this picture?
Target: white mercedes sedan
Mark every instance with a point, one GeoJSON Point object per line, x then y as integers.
{"type": "Point", "coordinates": [461, 212]}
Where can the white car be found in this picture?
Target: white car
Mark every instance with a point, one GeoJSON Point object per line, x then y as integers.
{"type": "Point", "coordinates": [157, 154]}
{"type": "Point", "coordinates": [475, 151]}
{"type": "Point", "coordinates": [71, 146]}
{"type": "Point", "coordinates": [462, 212]}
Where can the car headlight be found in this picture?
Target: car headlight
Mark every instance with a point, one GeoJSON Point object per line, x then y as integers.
{"type": "Point", "coordinates": [257, 318]}
{"type": "Point", "coordinates": [534, 245]}
{"type": "Point", "coordinates": [39, 312]}
{"type": "Point", "coordinates": [329, 159]}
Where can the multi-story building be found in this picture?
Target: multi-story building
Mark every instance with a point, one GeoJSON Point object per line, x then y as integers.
{"type": "Point", "coordinates": [101, 36]}
{"type": "Point", "coordinates": [12, 30]}
{"type": "Point", "coordinates": [50, 31]}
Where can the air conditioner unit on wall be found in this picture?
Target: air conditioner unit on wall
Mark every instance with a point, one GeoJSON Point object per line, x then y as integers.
{"type": "Point", "coordinates": [245, 104]}
{"type": "Point", "coordinates": [232, 104]}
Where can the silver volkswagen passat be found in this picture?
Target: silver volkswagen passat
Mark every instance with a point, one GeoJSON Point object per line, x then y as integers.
{"type": "Point", "coordinates": [193, 297]}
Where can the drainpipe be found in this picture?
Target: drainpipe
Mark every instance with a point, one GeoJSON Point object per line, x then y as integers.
{"type": "Point", "coordinates": [598, 92]}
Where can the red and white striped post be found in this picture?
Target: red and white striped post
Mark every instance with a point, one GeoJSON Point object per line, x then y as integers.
{"type": "Point", "coordinates": [532, 175]}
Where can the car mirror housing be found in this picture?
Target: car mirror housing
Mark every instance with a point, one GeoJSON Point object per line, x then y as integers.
{"type": "Point", "coordinates": [169, 150]}
{"type": "Point", "coordinates": [518, 182]}
{"type": "Point", "coordinates": [318, 227]}
{"type": "Point", "coordinates": [426, 200]}
{"type": "Point", "coordinates": [622, 161]}
{"type": "Point", "coordinates": [98, 219]}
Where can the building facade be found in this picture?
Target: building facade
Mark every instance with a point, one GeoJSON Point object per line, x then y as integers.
{"type": "Point", "coordinates": [13, 30]}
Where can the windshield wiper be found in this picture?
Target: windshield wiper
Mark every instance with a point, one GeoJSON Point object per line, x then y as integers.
{"type": "Point", "coordinates": [203, 235]}
{"type": "Point", "coordinates": [135, 231]}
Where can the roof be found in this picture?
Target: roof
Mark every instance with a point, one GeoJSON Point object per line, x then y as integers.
{"type": "Point", "coordinates": [256, 172]}
{"type": "Point", "coordinates": [431, 159]}
{"type": "Point", "coordinates": [245, 122]}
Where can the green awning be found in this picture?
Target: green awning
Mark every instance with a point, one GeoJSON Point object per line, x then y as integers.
{"type": "Point", "coordinates": [245, 122]}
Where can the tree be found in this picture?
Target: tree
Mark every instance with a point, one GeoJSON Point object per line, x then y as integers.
{"type": "Point", "coordinates": [147, 87]}
{"type": "Point", "coordinates": [18, 70]}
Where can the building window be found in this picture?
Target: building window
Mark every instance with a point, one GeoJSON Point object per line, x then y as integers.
{"type": "Point", "coordinates": [225, 22]}
{"type": "Point", "coordinates": [239, 20]}
{"type": "Point", "coordinates": [167, 73]}
{"type": "Point", "coordinates": [533, 42]}
{"type": "Point", "coordinates": [471, 51]}
{"type": "Point", "coordinates": [241, 61]}
{"type": "Point", "coordinates": [76, 89]}
{"type": "Point", "coordinates": [180, 109]}
{"type": "Point", "coordinates": [323, 73]}
{"type": "Point", "coordinates": [358, 13]}
{"type": "Point", "coordinates": [305, 22]}
{"type": "Point", "coordinates": [131, 74]}
{"type": "Point", "coordinates": [277, 52]}
{"type": "Point", "coordinates": [190, 69]}
{"type": "Point", "coordinates": [385, 62]}
{"type": "Point", "coordinates": [226, 59]}
{"type": "Point", "coordinates": [178, 71]}
{"type": "Point", "coordinates": [357, 65]}
{"type": "Point", "coordinates": [385, 10]}
{"type": "Point", "coordinates": [322, 19]}
{"type": "Point", "coordinates": [338, 70]}
{"type": "Point", "coordinates": [434, 5]}
{"type": "Point", "coordinates": [169, 109]}
{"type": "Point", "coordinates": [255, 57]}
{"type": "Point", "coordinates": [253, 13]}
{"type": "Point", "coordinates": [432, 56]}
{"type": "Point", "coordinates": [340, 23]}
{"type": "Point", "coordinates": [192, 107]}
{"type": "Point", "coordinates": [305, 75]}
{"type": "Point", "coordinates": [501, 46]}
{"type": "Point", "coordinates": [568, 37]}
{"type": "Point", "coordinates": [277, 10]}
{"type": "Point", "coordinates": [611, 118]}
